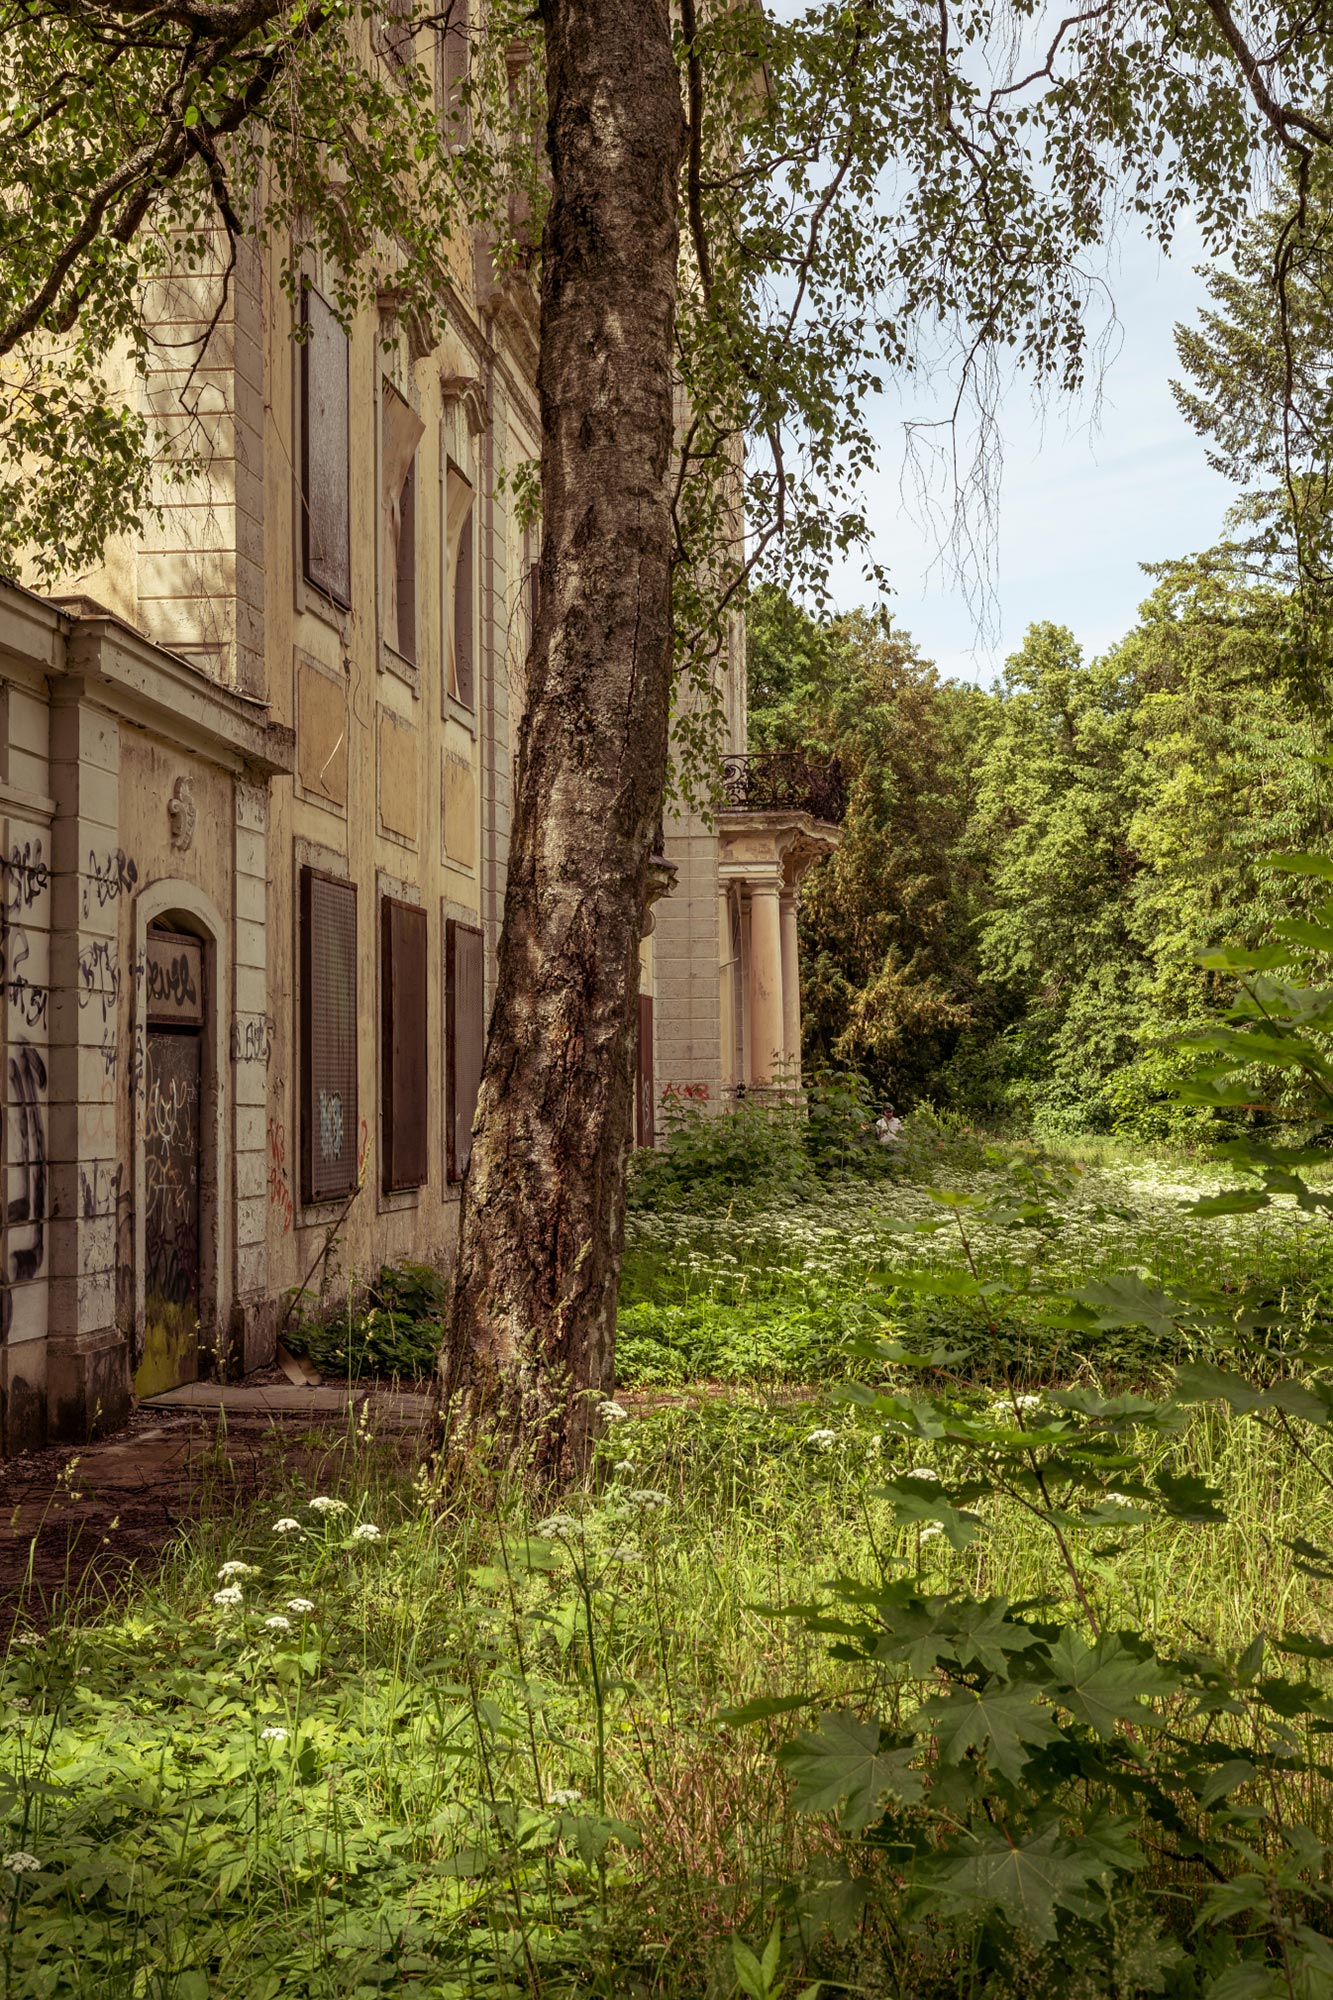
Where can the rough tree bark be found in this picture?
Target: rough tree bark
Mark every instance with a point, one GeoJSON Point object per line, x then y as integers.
{"type": "Point", "coordinates": [529, 1347]}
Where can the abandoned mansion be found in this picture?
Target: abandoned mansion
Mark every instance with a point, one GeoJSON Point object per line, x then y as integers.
{"type": "Point", "coordinates": [255, 790]}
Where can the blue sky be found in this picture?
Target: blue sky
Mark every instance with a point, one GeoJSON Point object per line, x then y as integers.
{"type": "Point", "coordinates": [1082, 502]}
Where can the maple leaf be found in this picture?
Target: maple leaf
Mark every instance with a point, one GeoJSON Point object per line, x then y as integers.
{"type": "Point", "coordinates": [839, 1766]}
{"type": "Point", "coordinates": [1107, 1682]}
{"type": "Point", "coordinates": [1028, 1880]}
{"type": "Point", "coordinates": [998, 1720]}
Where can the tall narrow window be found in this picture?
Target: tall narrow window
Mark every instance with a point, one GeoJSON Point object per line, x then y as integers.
{"type": "Point", "coordinates": [397, 32]}
{"type": "Point", "coordinates": [464, 1039]}
{"type": "Point", "coordinates": [456, 59]}
{"type": "Point", "coordinates": [329, 1109]}
{"type": "Point", "coordinates": [401, 431]}
{"type": "Point", "coordinates": [326, 540]}
{"type": "Point", "coordinates": [460, 517]}
{"type": "Point", "coordinates": [402, 1044]}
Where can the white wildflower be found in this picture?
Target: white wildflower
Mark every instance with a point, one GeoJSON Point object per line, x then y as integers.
{"type": "Point", "coordinates": [1119, 1499]}
{"type": "Point", "coordinates": [27, 1639]}
{"type": "Point", "coordinates": [365, 1531]}
{"type": "Point", "coordinates": [928, 1534]}
{"type": "Point", "coordinates": [300, 1605]}
{"type": "Point", "coordinates": [237, 1569]}
{"type": "Point", "coordinates": [555, 1524]}
{"type": "Point", "coordinates": [823, 1439]}
{"type": "Point", "coordinates": [277, 1623]}
{"type": "Point", "coordinates": [1028, 1402]}
{"type": "Point", "coordinates": [623, 1465]}
{"type": "Point", "coordinates": [21, 1705]}
{"type": "Point", "coordinates": [322, 1504]}
{"type": "Point", "coordinates": [564, 1798]}
{"type": "Point", "coordinates": [612, 1413]}
{"type": "Point", "coordinates": [922, 1472]}
{"type": "Point", "coordinates": [286, 1526]}
{"type": "Point", "coordinates": [273, 1734]}
{"type": "Point", "coordinates": [20, 1863]}
{"type": "Point", "coordinates": [230, 1594]}
{"type": "Point", "coordinates": [647, 1496]}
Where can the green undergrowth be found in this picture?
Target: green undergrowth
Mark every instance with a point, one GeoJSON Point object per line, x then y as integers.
{"type": "Point", "coordinates": [391, 1327]}
{"type": "Point", "coordinates": [484, 1752]}
{"type": "Point", "coordinates": [780, 1287]}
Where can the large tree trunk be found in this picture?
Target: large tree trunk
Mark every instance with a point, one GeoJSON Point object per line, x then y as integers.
{"type": "Point", "coordinates": [530, 1343]}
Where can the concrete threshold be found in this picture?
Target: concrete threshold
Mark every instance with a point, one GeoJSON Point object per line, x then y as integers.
{"type": "Point", "coordinates": [323, 1401]}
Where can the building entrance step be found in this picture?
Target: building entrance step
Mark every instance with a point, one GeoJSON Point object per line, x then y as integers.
{"type": "Point", "coordinates": [325, 1401]}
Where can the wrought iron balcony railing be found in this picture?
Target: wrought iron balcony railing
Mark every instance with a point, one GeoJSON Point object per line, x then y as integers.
{"type": "Point", "coordinates": [785, 781]}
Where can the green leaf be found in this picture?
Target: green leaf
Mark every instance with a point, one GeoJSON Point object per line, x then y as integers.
{"type": "Point", "coordinates": [839, 1765]}
{"type": "Point", "coordinates": [1125, 1299]}
{"type": "Point", "coordinates": [1227, 1778]}
{"type": "Point", "coordinates": [1028, 1880]}
{"type": "Point", "coordinates": [913, 1500]}
{"type": "Point", "coordinates": [1107, 1682]}
{"type": "Point", "coordinates": [1000, 1720]}
{"type": "Point", "coordinates": [763, 1706]}
{"type": "Point", "coordinates": [749, 1972]}
{"type": "Point", "coordinates": [1320, 865]}
{"type": "Point", "coordinates": [1237, 1201]}
{"type": "Point", "coordinates": [1188, 1498]}
{"type": "Point", "coordinates": [768, 1965]}
{"type": "Point", "coordinates": [1317, 936]}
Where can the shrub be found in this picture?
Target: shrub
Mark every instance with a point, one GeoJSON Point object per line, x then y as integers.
{"type": "Point", "coordinates": [393, 1328]}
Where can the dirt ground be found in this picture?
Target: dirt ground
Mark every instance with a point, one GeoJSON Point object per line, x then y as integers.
{"type": "Point", "coordinates": [75, 1521]}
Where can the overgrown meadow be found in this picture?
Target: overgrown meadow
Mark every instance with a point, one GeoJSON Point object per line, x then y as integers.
{"type": "Point", "coordinates": [951, 1614]}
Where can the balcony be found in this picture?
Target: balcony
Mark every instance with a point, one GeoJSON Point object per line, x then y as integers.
{"type": "Point", "coordinates": [785, 781]}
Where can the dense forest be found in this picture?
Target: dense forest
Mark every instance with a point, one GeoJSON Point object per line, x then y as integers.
{"type": "Point", "coordinates": [1030, 872]}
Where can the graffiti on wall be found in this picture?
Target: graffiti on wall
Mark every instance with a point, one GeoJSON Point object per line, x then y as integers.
{"type": "Point", "coordinates": [25, 1211]}
{"type": "Point", "coordinates": [252, 1038]}
{"type": "Point", "coordinates": [99, 977]}
{"type": "Point", "coordinates": [171, 1169]}
{"type": "Point", "coordinates": [279, 1184]}
{"type": "Point", "coordinates": [108, 877]}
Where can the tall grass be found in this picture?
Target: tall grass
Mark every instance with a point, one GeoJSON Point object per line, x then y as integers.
{"type": "Point", "coordinates": [500, 1767]}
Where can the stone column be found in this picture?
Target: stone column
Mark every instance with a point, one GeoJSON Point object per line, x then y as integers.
{"type": "Point", "coordinates": [791, 989]}
{"type": "Point", "coordinates": [766, 1024]}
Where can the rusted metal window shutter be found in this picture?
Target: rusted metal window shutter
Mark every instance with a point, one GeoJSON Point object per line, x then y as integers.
{"type": "Point", "coordinates": [645, 1096]}
{"type": "Point", "coordinates": [403, 1044]}
{"type": "Point", "coordinates": [326, 520]}
{"type": "Point", "coordinates": [465, 1039]}
{"type": "Point", "coordinates": [329, 1114]}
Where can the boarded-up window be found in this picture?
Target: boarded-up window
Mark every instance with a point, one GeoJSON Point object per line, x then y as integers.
{"type": "Point", "coordinates": [326, 545]}
{"type": "Point", "coordinates": [645, 1129]}
{"type": "Point", "coordinates": [461, 527]}
{"type": "Point", "coordinates": [328, 1037]}
{"type": "Point", "coordinates": [465, 1039]}
{"type": "Point", "coordinates": [403, 1096]}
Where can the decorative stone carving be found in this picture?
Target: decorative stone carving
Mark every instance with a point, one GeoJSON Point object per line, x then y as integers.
{"type": "Point", "coordinates": [467, 390]}
{"type": "Point", "coordinates": [182, 812]}
{"type": "Point", "coordinates": [661, 879]}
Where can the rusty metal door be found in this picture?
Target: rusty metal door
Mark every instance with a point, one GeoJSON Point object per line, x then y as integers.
{"type": "Point", "coordinates": [172, 1163]}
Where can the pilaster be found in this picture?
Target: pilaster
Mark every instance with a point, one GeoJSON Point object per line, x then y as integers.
{"type": "Point", "coordinates": [88, 1385]}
